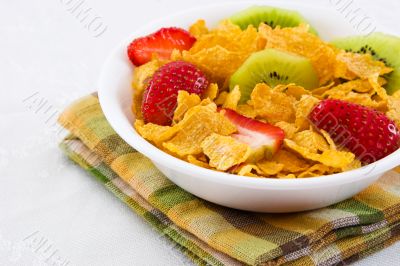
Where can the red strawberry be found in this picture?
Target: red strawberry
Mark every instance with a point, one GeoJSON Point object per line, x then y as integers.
{"type": "Point", "coordinates": [160, 96]}
{"type": "Point", "coordinates": [161, 42]}
{"type": "Point", "coordinates": [369, 134]}
{"type": "Point", "coordinates": [265, 139]}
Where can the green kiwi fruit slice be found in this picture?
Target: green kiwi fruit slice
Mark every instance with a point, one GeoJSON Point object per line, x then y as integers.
{"type": "Point", "coordinates": [272, 16]}
{"type": "Point", "coordinates": [383, 47]}
{"type": "Point", "coordinates": [273, 67]}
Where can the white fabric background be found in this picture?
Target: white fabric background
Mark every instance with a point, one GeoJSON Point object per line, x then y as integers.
{"type": "Point", "coordinates": [46, 202]}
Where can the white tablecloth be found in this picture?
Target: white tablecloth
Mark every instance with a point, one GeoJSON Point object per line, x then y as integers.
{"type": "Point", "coordinates": [50, 210]}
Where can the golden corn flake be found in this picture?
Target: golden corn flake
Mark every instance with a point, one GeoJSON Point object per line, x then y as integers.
{"type": "Point", "coordinates": [328, 139]}
{"type": "Point", "coordinates": [245, 169]}
{"type": "Point", "coordinates": [289, 128]}
{"type": "Point", "coordinates": [297, 91]}
{"type": "Point", "coordinates": [303, 109]}
{"type": "Point", "coordinates": [211, 92]}
{"type": "Point", "coordinates": [286, 176]}
{"type": "Point", "coordinates": [232, 99]}
{"type": "Point", "coordinates": [318, 170]}
{"type": "Point", "coordinates": [220, 52]}
{"type": "Point", "coordinates": [311, 140]}
{"type": "Point", "coordinates": [198, 123]}
{"type": "Point", "coordinates": [394, 110]}
{"type": "Point", "coordinates": [352, 65]}
{"type": "Point", "coordinates": [193, 160]}
{"type": "Point", "coordinates": [141, 77]}
{"type": "Point", "coordinates": [291, 162]}
{"type": "Point", "coordinates": [155, 133]}
{"type": "Point", "coordinates": [270, 168]}
{"type": "Point", "coordinates": [224, 151]}
{"type": "Point", "coordinates": [221, 98]}
{"type": "Point", "coordinates": [299, 41]}
{"type": "Point", "coordinates": [198, 29]}
{"type": "Point", "coordinates": [185, 101]}
{"type": "Point", "coordinates": [332, 158]}
{"type": "Point", "coordinates": [272, 105]}
{"type": "Point", "coordinates": [246, 110]}
{"type": "Point", "coordinates": [318, 92]}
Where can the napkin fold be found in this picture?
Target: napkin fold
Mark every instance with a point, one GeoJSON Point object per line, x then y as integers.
{"type": "Point", "coordinates": [214, 235]}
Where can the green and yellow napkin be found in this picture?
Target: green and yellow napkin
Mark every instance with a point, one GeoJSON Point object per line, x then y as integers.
{"type": "Point", "coordinates": [215, 235]}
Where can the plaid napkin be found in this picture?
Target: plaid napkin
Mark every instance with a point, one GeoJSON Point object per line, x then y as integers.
{"type": "Point", "coordinates": [215, 235]}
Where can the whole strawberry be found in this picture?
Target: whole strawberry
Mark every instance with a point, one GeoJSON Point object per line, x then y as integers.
{"type": "Point", "coordinates": [160, 96]}
{"type": "Point", "coordinates": [369, 134]}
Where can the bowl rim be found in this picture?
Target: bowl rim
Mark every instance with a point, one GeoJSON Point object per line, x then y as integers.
{"type": "Point", "coordinates": [162, 158]}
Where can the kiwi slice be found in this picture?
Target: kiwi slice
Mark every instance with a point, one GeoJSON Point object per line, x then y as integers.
{"type": "Point", "coordinates": [383, 47]}
{"type": "Point", "coordinates": [273, 67]}
{"type": "Point", "coordinates": [271, 16]}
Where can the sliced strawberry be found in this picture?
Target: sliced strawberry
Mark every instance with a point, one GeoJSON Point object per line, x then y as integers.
{"type": "Point", "coordinates": [161, 42]}
{"type": "Point", "coordinates": [369, 134]}
{"type": "Point", "coordinates": [160, 96]}
{"type": "Point", "coordinates": [264, 139]}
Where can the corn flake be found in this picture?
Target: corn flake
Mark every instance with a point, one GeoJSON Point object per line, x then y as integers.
{"type": "Point", "coordinates": [291, 162]}
{"type": "Point", "coordinates": [232, 99]}
{"type": "Point", "coordinates": [332, 158]}
{"type": "Point", "coordinates": [198, 29]}
{"type": "Point", "coordinates": [303, 109]}
{"type": "Point", "coordinates": [198, 123]}
{"type": "Point", "coordinates": [270, 168]}
{"type": "Point", "coordinates": [185, 101]}
{"type": "Point", "coordinates": [224, 151]}
{"type": "Point", "coordinates": [211, 92]}
{"type": "Point", "coordinates": [272, 105]}
{"type": "Point", "coordinates": [155, 133]}
{"type": "Point", "coordinates": [311, 140]}
{"type": "Point", "coordinates": [289, 128]}
{"type": "Point", "coordinates": [352, 65]}
{"type": "Point", "coordinates": [220, 52]}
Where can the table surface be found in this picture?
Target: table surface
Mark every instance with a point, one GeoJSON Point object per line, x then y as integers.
{"type": "Point", "coordinates": [50, 210]}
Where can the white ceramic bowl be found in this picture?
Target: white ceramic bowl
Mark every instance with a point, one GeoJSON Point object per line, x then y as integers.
{"type": "Point", "coordinates": [261, 195]}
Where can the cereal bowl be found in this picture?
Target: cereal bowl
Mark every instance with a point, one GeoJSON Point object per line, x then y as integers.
{"type": "Point", "coordinates": [239, 192]}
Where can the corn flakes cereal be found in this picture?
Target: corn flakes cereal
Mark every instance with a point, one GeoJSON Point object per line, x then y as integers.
{"type": "Point", "coordinates": [185, 101]}
{"type": "Point", "coordinates": [193, 160]}
{"type": "Point", "coordinates": [318, 170]}
{"type": "Point", "coordinates": [303, 109]}
{"type": "Point", "coordinates": [220, 52]}
{"type": "Point", "coordinates": [289, 128]}
{"type": "Point", "coordinates": [221, 98]}
{"type": "Point", "coordinates": [394, 109]}
{"type": "Point", "coordinates": [245, 169]}
{"type": "Point", "coordinates": [274, 106]}
{"type": "Point", "coordinates": [232, 99]}
{"type": "Point", "coordinates": [332, 158]}
{"type": "Point", "coordinates": [352, 65]}
{"type": "Point", "coordinates": [328, 139]}
{"type": "Point", "coordinates": [311, 140]}
{"type": "Point", "coordinates": [211, 92]}
{"type": "Point", "coordinates": [224, 151]}
{"type": "Point", "coordinates": [246, 110]}
{"type": "Point", "coordinates": [198, 29]}
{"type": "Point", "coordinates": [270, 168]}
{"type": "Point", "coordinates": [291, 162]}
{"type": "Point", "coordinates": [198, 123]}
{"type": "Point", "coordinates": [299, 41]}
{"type": "Point", "coordinates": [155, 133]}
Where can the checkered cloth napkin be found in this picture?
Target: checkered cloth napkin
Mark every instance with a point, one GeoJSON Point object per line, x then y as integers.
{"type": "Point", "coordinates": [214, 235]}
